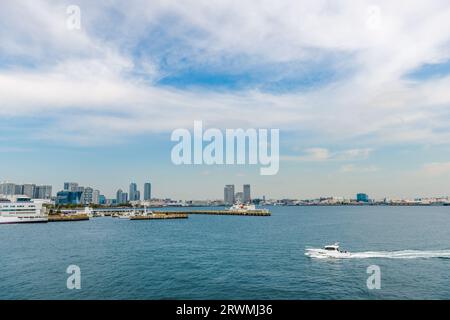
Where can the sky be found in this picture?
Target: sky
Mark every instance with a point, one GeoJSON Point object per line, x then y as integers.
{"type": "Point", "coordinates": [358, 89]}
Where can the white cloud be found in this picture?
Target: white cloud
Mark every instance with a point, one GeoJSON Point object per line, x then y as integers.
{"type": "Point", "coordinates": [358, 169]}
{"type": "Point", "coordinates": [437, 168]}
{"type": "Point", "coordinates": [323, 154]}
{"type": "Point", "coordinates": [91, 76]}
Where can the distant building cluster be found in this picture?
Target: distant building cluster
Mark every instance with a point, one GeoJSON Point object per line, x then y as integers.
{"type": "Point", "coordinates": [230, 197]}
{"type": "Point", "coordinates": [30, 190]}
{"type": "Point", "coordinates": [134, 195]}
{"type": "Point", "coordinates": [76, 194]}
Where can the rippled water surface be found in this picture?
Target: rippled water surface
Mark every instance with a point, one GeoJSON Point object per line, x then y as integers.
{"type": "Point", "coordinates": [228, 257]}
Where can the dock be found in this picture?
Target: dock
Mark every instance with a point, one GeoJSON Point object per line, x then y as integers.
{"type": "Point", "coordinates": [67, 217]}
{"type": "Point", "coordinates": [161, 215]}
{"type": "Point", "coordinates": [257, 212]}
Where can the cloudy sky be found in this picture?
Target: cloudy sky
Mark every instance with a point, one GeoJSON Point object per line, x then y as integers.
{"type": "Point", "coordinates": [359, 91]}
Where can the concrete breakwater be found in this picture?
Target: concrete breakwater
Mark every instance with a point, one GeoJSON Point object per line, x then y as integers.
{"type": "Point", "coordinates": [67, 217]}
{"type": "Point", "coordinates": [160, 215]}
{"type": "Point", "coordinates": [228, 212]}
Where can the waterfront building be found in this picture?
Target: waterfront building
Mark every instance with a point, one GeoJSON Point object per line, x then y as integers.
{"type": "Point", "coordinates": [239, 197]}
{"type": "Point", "coordinates": [68, 197]}
{"type": "Point", "coordinates": [246, 194]}
{"type": "Point", "coordinates": [228, 197]}
{"type": "Point", "coordinates": [147, 191]}
{"type": "Point", "coordinates": [362, 197]}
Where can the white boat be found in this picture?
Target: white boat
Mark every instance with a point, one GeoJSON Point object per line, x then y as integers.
{"type": "Point", "coordinates": [147, 212]}
{"type": "Point", "coordinates": [21, 210]}
{"type": "Point", "coordinates": [329, 251]}
{"type": "Point", "coordinates": [242, 208]}
{"type": "Point", "coordinates": [128, 214]}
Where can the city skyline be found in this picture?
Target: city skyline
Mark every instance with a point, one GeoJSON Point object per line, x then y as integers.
{"type": "Point", "coordinates": [355, 109]}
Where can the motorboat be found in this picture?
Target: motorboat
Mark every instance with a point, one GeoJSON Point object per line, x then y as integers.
{"type": "Point", "coordinates": [329, 251]}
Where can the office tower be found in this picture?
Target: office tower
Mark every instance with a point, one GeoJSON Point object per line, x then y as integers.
{"type": "Point", "coordinates": [7, 189]}
{"type": "Point", "coordinates": [42, 192]}
{"type": "Point", "coordinates": [101, 199]}
{"type": "Point", "coordinates": [119, 194]}
{"type": "Point", "coordinates": [29, 190]}
{"type": "Point", "coordinates": [18, 189]}
{"type": "Point", "coordinates": [124, 198]}
{"type": "Point", "coordinates": [246, 194]}
{"type": "Point", "coordinates": [87, 195]}
{"type": "Point", "coordinates": [239, 197]}
{"type": "Point", "coordinates": [228, 197]}
{"type": "Point", "coordinates": [71, 186]}
{"type": "Point", "coordinates": [96, 197]}
{"type": "Point", "coordinates": [134, 193]}
{"type": "Point", "coordinates": [147, 191]}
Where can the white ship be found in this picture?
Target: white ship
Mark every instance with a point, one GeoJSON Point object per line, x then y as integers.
{"type": "Point", "coordinates": [243, 208]}
{"type": "Point", "coordinates": [330, 251]}
{"type": "Point", "coordinates": [21, 210]}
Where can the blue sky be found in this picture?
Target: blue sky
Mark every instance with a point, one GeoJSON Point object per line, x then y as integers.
{"type": "Point", "coordinates": [358, 91]}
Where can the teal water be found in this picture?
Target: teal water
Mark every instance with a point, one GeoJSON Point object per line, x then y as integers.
{"type": "Point", "coordinates": [227, 257]}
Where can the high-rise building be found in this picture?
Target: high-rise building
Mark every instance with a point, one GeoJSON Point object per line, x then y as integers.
{"type": "Point", "coordinates": [96, 197]}
{"type": "Point", "coordinates": [42, 192]}
{"type": "Point", "coordinates": [7, 188]}
{"type": "Point", "coordinates": [101, 199]}
{"type": "Point", "coordinates": [87, 196]}
{"type": "Point", "coordinates": [119, 196]}
{"type": "Point", "coordinates": [147, 191]}
{"type": "Point", "coordinates": [134, 193]}
{"type": "Point", "coordinates": [239, 197]}
{"type": "Point", "coordinates": [29, 190]}
{"type": "Point", "coordinates": [228, 196]}
{"type": "Point", "coordinates": [246, 194]}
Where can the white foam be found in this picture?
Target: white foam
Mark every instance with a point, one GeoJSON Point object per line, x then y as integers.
{"type": "Point", "coordinates": [402, 254]}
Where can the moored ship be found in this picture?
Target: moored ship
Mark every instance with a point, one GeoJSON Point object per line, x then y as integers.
{"type": "Point", "coordinates": [20, 209]}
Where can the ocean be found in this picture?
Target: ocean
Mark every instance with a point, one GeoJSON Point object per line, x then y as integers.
{"type": "Point", "coordinates": [233, 257]}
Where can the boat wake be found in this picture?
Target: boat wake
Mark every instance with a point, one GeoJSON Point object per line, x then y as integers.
{"type": "Point", "coordinates": [403, 254]}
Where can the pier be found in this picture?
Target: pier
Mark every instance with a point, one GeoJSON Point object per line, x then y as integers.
{"type": "Point", "coordinates": [67, 217]}
{"type": "Point", "coordinates": [227, 212]}
{"type": "Point", "coordinates": [160, 215]}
